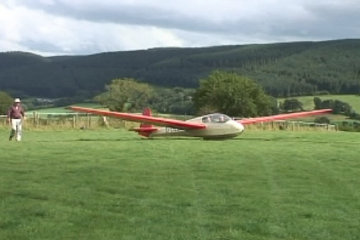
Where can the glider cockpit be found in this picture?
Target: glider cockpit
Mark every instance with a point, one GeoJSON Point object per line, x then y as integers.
{"type": "Point", "coordinates": [215, 118]}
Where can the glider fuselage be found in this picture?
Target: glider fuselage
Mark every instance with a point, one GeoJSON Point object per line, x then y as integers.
{"type": "Point", "coordinates": [218, 126]}
{"type": "Point", "coordinates": [211, 126]}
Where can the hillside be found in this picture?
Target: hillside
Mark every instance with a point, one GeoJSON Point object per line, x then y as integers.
{"type": "Point", "coordinates": [283, 69]}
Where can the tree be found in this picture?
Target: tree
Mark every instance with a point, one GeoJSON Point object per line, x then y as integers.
{"type": "Point", "coordinates": [292, 105]}
{"type": "Point", "coordinates": [317, 102]}
{"type": "Point", "coordinates": [337, 106]}
{"type": "Point", "coordinates": [231, 94]}
{"type": "Point", "coordinates": [5, 102]}
{"type": "Point", "coordinates": [322, 120]}
{"type": "Point", "coordinates": [173, 100]}
{"type": "Point", "coordinates": [342, 107]}
{"type": "Point", "coordinates": [125, 95]}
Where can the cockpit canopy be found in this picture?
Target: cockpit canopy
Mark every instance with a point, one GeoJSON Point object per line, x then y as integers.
{"type": "Point", "coordinates": [215, 118]}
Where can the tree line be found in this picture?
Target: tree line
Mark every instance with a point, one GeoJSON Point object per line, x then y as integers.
{"type": "Point", "coordinates": [225, 92]}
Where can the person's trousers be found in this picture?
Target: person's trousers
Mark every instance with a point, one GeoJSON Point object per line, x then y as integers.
{"type": "Point", "coordinates": [16, 129]}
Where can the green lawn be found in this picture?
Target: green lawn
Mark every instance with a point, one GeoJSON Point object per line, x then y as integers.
{"type": "Point", "coordinates": [113, 185]}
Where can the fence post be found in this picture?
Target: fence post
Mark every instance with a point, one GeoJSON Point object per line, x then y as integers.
{"type": "Point", "coordinates": [88, 120]}
{"type": "Point", "coordinates": [36, 119]}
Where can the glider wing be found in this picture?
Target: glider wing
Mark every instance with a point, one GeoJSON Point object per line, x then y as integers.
{"type": "Point", "coordinates": [142, 118]}
{"type": "Point", "coordinates": [246, 121]}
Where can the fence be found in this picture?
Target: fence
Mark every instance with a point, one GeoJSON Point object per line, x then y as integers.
{"type": "Point", "coordinates": [84, 121]}
{"type": "Point", "coordinates": [69, 120]}
{"type": "Point", "coordinates": [292, 126]}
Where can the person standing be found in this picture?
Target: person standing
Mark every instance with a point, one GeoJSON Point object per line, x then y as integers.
{"type": "Point", "coordinates": [15, 117]}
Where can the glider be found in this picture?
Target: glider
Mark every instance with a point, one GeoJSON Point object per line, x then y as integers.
{"type": "Point", "coordinates": [211, 126]}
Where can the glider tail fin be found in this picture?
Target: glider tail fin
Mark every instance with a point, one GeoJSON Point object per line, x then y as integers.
{"type": "Point", "coordinates": [146, 112]}
{"type": "Point", "coordinates": [145, 129]}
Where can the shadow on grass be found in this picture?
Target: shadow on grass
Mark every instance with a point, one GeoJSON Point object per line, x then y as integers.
{"type": "Point", "coordinates": [291, 139]}
{"type": "Point", "coordinates": [245, 139]}
{"type": "Point", "coordinates": [135, 139]}
{"type": "Point", "coordinates": [90, 140]}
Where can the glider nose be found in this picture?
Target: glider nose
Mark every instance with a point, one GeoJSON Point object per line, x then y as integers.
{"type": "Point", "coordinates": [240, 127]}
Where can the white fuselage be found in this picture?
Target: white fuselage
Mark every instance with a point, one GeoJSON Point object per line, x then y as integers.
{"type": "Point", "coordinates": [218, 126]}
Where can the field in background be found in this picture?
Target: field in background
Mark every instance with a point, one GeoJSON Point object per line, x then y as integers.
{"type": "Point", "coordinates": [308, 104]}
{"type": "Point", "coordinates": [48, 118]}
{"type": "Point", "coordinates": [111, 184]}
{"type": "Point", "coordinates": [63, 121]}
{"type": "Point", "coordinates": [64, 109]}
{"type": "Point", "coordinates": [308, 101]}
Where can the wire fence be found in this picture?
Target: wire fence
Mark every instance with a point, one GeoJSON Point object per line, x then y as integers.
{"type": "Point", "coordinates": [69, 120]}
{"type": "Point", "coordinates": [40, 120]}
{"type": "Point", "coordinates": [292, 126]}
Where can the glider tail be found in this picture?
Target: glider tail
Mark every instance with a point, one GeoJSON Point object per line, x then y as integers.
{"type": "Point", "coordinates": [146, 112]}
{"type": "Point", "coordinates": [145, 129]}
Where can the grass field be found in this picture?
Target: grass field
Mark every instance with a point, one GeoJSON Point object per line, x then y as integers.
{"type": "Point", "coordinates": [113, 185]}
{"type": "Point", "coordinates": [308, 101]}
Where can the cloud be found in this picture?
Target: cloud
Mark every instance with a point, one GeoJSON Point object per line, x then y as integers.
{"type": "Point", "coordinates": [37, 31]}
{"type": "Point", "coordinates": [89, 26]}
{"type": "Point", "coordinates": [195, 15]}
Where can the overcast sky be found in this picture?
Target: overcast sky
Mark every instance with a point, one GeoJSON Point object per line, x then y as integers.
{"type": "Point", "coordinates": [59, 27]}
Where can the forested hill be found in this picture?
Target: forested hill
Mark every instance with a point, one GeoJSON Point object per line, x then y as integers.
{"type": "Point", "coordinates": [283, 69]}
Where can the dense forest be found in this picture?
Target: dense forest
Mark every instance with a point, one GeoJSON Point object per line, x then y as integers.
{"type": "Point", "coordinates": [283, 69]}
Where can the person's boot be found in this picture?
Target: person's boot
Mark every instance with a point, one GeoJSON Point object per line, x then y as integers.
{"type": "Point", "coordinates": [12, 134]}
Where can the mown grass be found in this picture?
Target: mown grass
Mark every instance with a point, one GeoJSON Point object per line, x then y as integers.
{"type": "Point", "coordinates": [107, 184]}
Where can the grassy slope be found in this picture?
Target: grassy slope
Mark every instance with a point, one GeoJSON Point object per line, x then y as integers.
{"type": "Point", "coordinates": [308, 101]}
{"type": "Point", "coordinates": [113, 185]}
{"type": "Point", "coordinates": [353, 100]}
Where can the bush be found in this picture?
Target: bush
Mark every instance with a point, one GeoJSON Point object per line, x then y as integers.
{"type": "Point", "coordinates": [322, 120]}
{"type": "Point", "coordinates": [292, 105]}
{"type": "Point", "coordinates": [349, 126]}
{"type": "Point", "coordinates": [5, 102]}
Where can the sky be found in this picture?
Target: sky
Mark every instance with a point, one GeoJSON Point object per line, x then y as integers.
{"type": "Point", "coordinates": [82, 27]}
